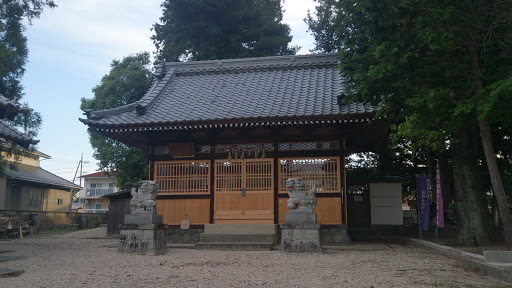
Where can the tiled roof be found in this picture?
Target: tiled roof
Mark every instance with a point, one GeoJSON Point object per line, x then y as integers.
{"type": "Point", "coordinates": [237, 90]}
{"type": "Point", "coordinates": [38, 175]}
{"type": "Point", "coordinates": [9, 132]}
{"type": "Point", "coordinates": [8, 108]}
{"type": "Point", "coordinates": [98, 174]}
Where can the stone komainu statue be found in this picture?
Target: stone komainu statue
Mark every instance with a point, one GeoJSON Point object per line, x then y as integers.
{"type": "Point", "coordinates": [298, 195]}
{"type": "Point", "coordinates": [143, 197]}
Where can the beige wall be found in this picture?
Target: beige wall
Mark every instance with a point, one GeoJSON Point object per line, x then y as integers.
{"type": "Point", "coordinates": [53, 194]}
{"type": "Point", "coordinates": [19, 199]}
{"type": "Point", "coordinates": [27, 160]}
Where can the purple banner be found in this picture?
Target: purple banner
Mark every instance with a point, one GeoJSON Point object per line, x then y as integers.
{"type": "Point", "coordinates": [439, 198]}
{"type": "Point", "coordinates": [423, 188]}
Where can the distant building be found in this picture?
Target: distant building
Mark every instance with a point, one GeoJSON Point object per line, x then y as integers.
{"type": "Point", "coordinates": [96, 185]}
{"type": "Point", "coordinates": [26, 186]}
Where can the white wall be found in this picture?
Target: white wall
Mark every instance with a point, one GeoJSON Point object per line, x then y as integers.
{"type": "Point", "coordinates": [386, 203]}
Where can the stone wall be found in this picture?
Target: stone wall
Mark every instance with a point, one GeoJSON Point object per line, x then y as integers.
{"type": "Point", "coordinates": [56, 220]}
{"type": "Point", "coordinates": [335, 235]}
{"type": "Point", "coordinates": [182, 236]}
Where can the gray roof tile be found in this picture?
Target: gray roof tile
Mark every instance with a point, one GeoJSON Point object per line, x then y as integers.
{"type": "Point", "coordinates": [9, 132]}
{"type": "Point", "coordinates": [38, 175]}
{"type": "Point", "coordinates": [244, 89]}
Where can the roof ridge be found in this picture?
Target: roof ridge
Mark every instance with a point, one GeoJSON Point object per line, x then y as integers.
{"type": "Point", "coordinates": [149, 99]}
{"type": "Point", "coordinates": [257, 63]}
{"type": "Point", "coordinates": [141, 105]}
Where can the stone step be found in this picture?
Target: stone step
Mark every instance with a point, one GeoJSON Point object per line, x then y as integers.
{"type": "Point", "coordinates": [235, 246]}
{"type": "Point", "coordinates": [240, 228]}
{"type": "Point", "coordinates": [210, 237]}
{"type": "Point", "coordinates": [498, 257]}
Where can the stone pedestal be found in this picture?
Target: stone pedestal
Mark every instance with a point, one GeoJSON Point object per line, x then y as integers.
{"type": "Point", "coordinates": [143, 234]}
{"type": "Point", "coordinates": [300, 217]}
{"type": "Point", "coordinates": [300, 238]}
{"type": "Point", "coordinates": [300, 233]}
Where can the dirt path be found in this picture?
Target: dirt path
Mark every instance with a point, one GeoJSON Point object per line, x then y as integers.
{"type": "Point", "coordinates": [86, 259]}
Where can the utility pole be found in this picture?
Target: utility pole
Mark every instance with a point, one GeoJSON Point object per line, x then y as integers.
{"type": "Point", "coordinates": [80, 165]}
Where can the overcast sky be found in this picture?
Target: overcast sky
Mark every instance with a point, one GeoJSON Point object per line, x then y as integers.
{"type": "Point", "coordinates": [71, 48]}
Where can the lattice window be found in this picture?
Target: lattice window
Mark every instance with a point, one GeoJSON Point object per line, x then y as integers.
{"type": "Point", "coordinates": [224, 148]}
{"type": "Point", "coordinates": [162, 150]}
{"type": "Point", "coordinates": [331, 145]}
{"type": "Point", "coordinates": [203, 148]}
{"type": "Point", "coordinates": [323, 172]}
{"type": "Point", "coordinates": [183, 177]}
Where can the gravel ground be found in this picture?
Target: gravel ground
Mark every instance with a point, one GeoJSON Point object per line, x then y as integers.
{"type": "Point", "coordinates": [87, 259]}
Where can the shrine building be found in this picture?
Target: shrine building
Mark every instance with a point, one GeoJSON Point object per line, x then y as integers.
{"type": "Point", "coordinates": [224, 135]}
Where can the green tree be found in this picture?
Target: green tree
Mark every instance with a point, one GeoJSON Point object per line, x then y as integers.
{"type": "Point", "coordinates": [127, 81]}
{"type": "Point", "coordinates": [441, 68]}
{"type": "Point", "coordinates": [208, 30]}
{"type": "Point", "coordinates": [13, 44]}
{"type": "Point", "coordinates": [13, 57]}
{"type": "Point", "coordinates": [323, 24]}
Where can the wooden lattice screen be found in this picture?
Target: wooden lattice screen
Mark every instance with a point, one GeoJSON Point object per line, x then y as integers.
{"type": "Point", "coordinates": [323, 172]}
{"type": "Point", "coordinates": [183, 177]}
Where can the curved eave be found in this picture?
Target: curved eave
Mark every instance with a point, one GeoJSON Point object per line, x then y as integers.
{"type": "Point", "coordinates": [228, 123]}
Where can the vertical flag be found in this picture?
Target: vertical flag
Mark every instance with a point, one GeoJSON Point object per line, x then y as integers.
{"type": "Point", "coordinates": [423, 188]}
{"type": "Point", "coordinates": [439, 198]}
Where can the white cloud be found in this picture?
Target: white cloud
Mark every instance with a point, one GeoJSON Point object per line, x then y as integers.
{"type": "Point", "coordinates": [295, 12]}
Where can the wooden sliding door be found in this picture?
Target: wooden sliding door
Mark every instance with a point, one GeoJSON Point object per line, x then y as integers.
{"type": "Point", "coordinates": [244, 191]}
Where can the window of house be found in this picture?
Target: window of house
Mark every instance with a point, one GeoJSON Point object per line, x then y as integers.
{"type": "Point", "coordinates": [95, 206]}
{"type": "Point", "coordinates": [111, 185]}
{"type": "Point", "coordinates": [59, 201]}
{"type": "Point", "coordinates": [35, 198]}
{"type": "Point", "coordinates": [96, 185]}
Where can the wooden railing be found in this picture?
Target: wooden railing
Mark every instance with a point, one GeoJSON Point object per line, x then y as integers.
{"type": "Point", "coordinates": [183, 177]}
{"type": "Point", "coordinates": [323, 172]}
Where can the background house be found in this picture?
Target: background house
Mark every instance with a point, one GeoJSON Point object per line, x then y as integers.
{"type": "Point", "coordinates": [28, 187]}
{"type": "Point", "coordinates": [25, 186]}
{"type": "Point", "coordinates": [96, 185]}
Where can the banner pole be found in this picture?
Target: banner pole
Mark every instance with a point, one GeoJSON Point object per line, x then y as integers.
{"type": "Point", "coordinates": [418, 208]}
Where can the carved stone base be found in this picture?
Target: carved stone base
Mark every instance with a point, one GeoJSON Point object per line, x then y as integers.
{"type": "Point", "coordinates": [143, 218]}
{"type": "Point", "coordinates": [300, 216]}
{"type": "Point", "coordinates": [300, 238]}
{"type": "Point", "coordinates": [144, 239]}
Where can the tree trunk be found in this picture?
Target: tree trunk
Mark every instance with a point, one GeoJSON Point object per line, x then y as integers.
{"type": "Point", "coordinates": [490, 154]}
{"type": "Point", "coordinates": [471, 205]}
{"type": "Point", "coordinates": [497, 184]}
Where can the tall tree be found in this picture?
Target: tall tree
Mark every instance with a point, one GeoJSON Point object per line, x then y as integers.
{"type": "Point", "coordinates": [14, 52]}
{"type": "Point", "coordinates": [322, 24]}
{"type": "Point", "coordinates": [442, 67]}
{"type": "Point", "coordinates": [127, 81]}
{"type": "Point", "coordinates": [13, 44]}
{"type": "Point", "coordinates": [208, 30]}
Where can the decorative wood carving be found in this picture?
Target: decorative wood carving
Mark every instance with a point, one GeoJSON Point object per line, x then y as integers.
{"type": "Point", "coordinates": [179, 150]}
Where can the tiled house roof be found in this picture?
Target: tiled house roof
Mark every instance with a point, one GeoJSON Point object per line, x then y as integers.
{"type": "Point", "coordinates": [261, 91]}
{"type": "Point", "coordinates": [100, 174]}
{"type": "Point", "coordinates": [38, 175]}
{"type": "Point", "coordinates": [8, 110]}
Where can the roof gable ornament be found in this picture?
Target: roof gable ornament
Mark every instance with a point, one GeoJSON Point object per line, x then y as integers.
{"type": "Point", "coordinates": [160, 69]}
{"type": "Point", "coordinates": [141, 110]}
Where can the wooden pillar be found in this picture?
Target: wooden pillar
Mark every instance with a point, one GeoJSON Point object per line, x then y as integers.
{"type": "Point", "coordinates": [344, 171]}
{"type": "Point", "coordinates": [276, 182]}
{"type": "Point", "coordinates": [151, 169]}
{"type": "Point", "coordinates": [212, 182]}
